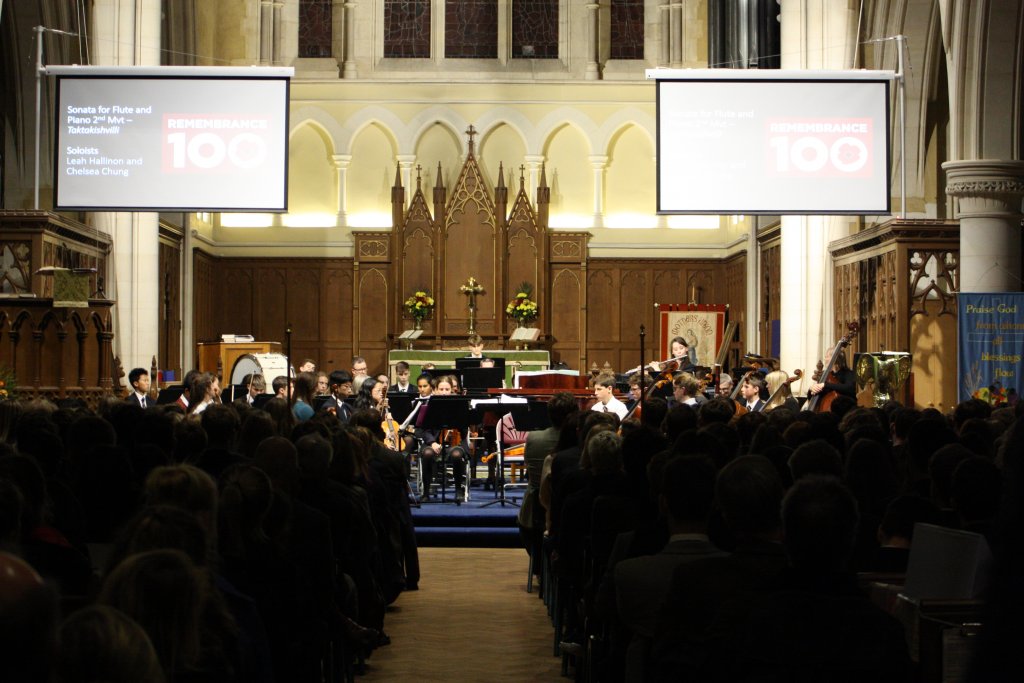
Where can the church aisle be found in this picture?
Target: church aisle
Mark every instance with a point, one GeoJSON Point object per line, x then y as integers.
{"type": "Point", "coordinates": [471, 620]}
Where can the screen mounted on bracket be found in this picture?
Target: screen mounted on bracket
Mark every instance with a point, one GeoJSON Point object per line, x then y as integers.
{"type": "Point", "coordinates": [772, 142]}
{"type": "Point", "coordinates": [171, 139]}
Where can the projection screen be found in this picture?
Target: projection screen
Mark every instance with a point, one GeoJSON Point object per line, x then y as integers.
{"type": "Point", "coordinates": [772, 142]}
{"type": "Point", "coordinates": [171, 139]}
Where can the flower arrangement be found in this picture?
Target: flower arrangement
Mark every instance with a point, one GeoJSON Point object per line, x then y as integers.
{"type": "Point", "coordinates": [471, 287]}
{"type": "Point", "coordinates": [522, 308]}
{"type": "Point", "coordinates": [419, 305]}
{"type": "Point", "coordinates": [8, 383]}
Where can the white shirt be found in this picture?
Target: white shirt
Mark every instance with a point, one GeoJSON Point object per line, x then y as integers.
{"type": "Point", "coordinates": [614, 405]}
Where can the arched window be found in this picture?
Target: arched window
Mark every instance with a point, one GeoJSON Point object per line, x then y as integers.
{"type": "Point", "coordinates": [627, 29]}
{"type": "Point", "coordinates": [315, 28]}
{"type": "Point", "coordinates": [535, 29]}
{"type": "Point", "coordinates": [407, 29]}
{"type": "Point", "coordinates": [471, 29]}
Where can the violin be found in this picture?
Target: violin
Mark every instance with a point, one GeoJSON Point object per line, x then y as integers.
{"type": "Point", "coordinates": [740, 406]}
{"type": "Point", "coordinates": [819, 403]}
{"type": "Point", "coordinates": [391, 438]}
{"type": "Point", "coordinates": [450, 438]}
{"type": "Point", "coordinates": [797, 374]}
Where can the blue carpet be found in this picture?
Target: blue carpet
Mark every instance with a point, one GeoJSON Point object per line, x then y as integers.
{"type": "Point", "coordinates": [469, 525]}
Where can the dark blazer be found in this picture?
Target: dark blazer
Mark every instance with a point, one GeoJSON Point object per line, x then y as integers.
{"type": "Point", "coordinates": [147, 402]}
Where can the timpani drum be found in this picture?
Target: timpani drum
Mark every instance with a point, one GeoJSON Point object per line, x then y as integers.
{"type": "Point", "coordinates": [270, 365]}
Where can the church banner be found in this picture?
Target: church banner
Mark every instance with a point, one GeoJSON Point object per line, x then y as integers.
{"type": "Point", "coordinates": [701, 325]}
{"type": "Point", "coordinates": [991, 348]}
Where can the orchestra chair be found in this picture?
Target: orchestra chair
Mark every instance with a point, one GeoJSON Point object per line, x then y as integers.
{"type": "Point", "coordinates": [512, 444]}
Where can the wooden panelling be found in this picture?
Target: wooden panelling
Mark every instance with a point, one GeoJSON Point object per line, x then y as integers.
{"type": "Point", "coordinates": [899, 281]}
{"type": "Point", "coordinates": [261, 296]}
{"type": "Point", "coordinates": [567, 315]}
{"type": "Point", "coordinates": [170, 302]}
{"type": "Point", "coordinates": [621, 296]}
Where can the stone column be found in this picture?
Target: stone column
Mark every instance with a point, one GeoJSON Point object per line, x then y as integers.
{"type": "Point", "coordinates": [593, 71]}
{"type": "Point", "coordinates": [406, 163]}
{"type": "Point", "coordinates": [341, 162]}
{"type": "Point", "coordinates": [125, 33]}
{"type": "Point", "coordinates": [676, 32]}
{"type": "Point", "coordinates": [598, 164]}
{"type": "Point", "coordinates": [989, 194]}
{"type": "Point", "coordinates": [665, 24]}
{"type": "Point", "coordinates": [816, 34]}
{"type": "Point", "coordinates": [349, 67]}
{"type": "Point", "coordinates": [533, 164]}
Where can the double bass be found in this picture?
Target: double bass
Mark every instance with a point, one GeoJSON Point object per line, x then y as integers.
{"type": "Point", "coordinates": [822, 401]}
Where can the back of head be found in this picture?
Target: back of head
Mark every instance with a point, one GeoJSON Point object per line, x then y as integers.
{"type": "Point", "coordinates": [189, 440]}
{"type": "Point", "coordinates": [28, 621]}
{"type": "Point", "coordinates": [257, 426]}
{"type": "Point", "coordinates": [100, 643]}
{"type": "Point", "coordinates": [221, 425]}
{"type": "Point", "coordinates": [560, 407]}
{"type": "Point", "coordinates": [816, 457]}
{"type": "Point", "coordinates": [679, 418]}
{"type": "Point", "coordinates": [902, 513]}
{"type": "Point", "coordinates": [926, 436]}
{"type": "Point", "coordinates": [717, 410]}
{"type": "Point", "coordinates": [819, 519]}
{"type": "Point", "coordinates": [653, 413]}
{"type": "Point", "coordinates": [749, 493]}
{"type": "Point", "coordinates": [968, 409]}
{"type": "Point", "coordinates": [604, 453]}
{"type": "Point", "coordinates": [976, 489]}
{"type": "Point", "coordinates": [165, 594]}
{"type": "Point", "coordinates": [688, 488]}
{"type": "Point", "coordinates": [163, 527]}
{"type": "Point", "coordinates": [278, 457]}
{"type": "Point", "coordinates": [940, 470]}
{"type": "Point", "coordinates": [182, 486]}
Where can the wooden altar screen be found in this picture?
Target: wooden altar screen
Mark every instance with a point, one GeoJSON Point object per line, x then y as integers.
{"type": "Point", "coordinates": [471, 231]}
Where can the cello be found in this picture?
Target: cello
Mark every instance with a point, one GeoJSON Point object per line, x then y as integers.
{"type": "Point", "coordinates": [822, 401]}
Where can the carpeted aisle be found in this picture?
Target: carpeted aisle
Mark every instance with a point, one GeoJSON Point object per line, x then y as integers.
{"type": "Point", "coordinates": [471, 620]}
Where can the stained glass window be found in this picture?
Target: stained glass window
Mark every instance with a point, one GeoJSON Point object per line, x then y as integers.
{"type": "Point", "coordinates": [407, 28]}
{"type": "Point", "coordinates": [627, 29]}
{"type": "Point", "coordinates": [471, 29]}
{"type": "Point", "coordinates": [315, 28]}
{"type": "Point", "coordinates": [535, 29]}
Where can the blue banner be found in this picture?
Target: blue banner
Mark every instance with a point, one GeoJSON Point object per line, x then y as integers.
{"type": "Point", "coordinates": [991, 348]}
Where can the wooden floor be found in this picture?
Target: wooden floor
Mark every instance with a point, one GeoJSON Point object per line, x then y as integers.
{"type": "Point", "coordinates": [471, 620]}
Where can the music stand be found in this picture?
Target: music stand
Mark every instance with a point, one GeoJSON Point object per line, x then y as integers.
{"type": "Point", "coordinates": [446, 412]}
{"type": "Point", "coordinates": [261, 400]}
{"type": "Point", "coordinates": [481, 379]}
{"type": "Point", "coordinates": [400, 404]}
{"type": "Point", "coordinates": [526, 417]}
{"type": "Point", "coordinates": [471, 362]}
{"type": "Point", "coordinates": [169, 395]}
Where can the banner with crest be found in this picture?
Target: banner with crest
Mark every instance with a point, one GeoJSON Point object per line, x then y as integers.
{"type": "Point", "coordinates": [701, 325]}
{"type": "Point", "coordinates": [991, 348]}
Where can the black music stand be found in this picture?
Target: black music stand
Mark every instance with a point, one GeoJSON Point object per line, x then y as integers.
{"type": "Point", "coordinates": [479, 379]}
{"type": "Point", "coordinates": [471, 362]}
{"type": "Point", "coordinates": [169, 394]}
{"type": "Point", "coordinates": [526, 417]}
{"type": "Point", "coordinates": [446, 412]}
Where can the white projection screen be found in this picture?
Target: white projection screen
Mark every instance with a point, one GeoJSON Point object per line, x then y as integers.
{"type": "Point", "coordinates": [773, 142]}
{"type": "Point", "coordinates": [171, 138]}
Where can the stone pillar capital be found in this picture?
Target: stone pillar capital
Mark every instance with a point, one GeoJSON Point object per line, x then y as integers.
{"type": "Point", "coordinates": [986, 187]}
{"type": "Point", "coordinates": [341, 160]}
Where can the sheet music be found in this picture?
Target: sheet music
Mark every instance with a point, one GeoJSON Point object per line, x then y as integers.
{"type": "Point", "coordinates": [502, 398]}
{"type": "Point", "coordinates": [412, 413]}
